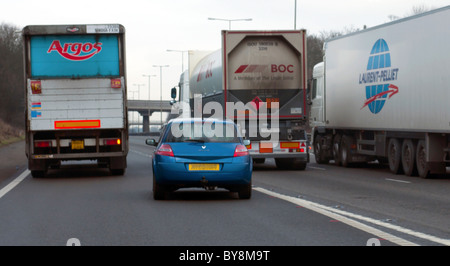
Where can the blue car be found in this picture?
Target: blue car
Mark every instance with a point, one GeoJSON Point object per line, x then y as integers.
{"type": "Point", "coordinates": [201, 153]}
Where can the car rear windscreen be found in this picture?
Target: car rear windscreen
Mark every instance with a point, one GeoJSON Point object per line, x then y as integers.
{"type": "Point", "coordinates": [216, 132]}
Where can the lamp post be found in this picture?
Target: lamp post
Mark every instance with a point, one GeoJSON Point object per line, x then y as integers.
{"type": "Point", "coordinates": [139, 89]}
{"type": "Point", "coordinates": [295, 15]}
{"type": "Point", "coordinates": [139, 97]}
{"type": "Point", "coordinates": [231, 20]}
{"type": "Point", "coordinates": [182, 57]}
{"type": "Point", "coordinates": [160, 78]}
{"type": "Point", "coordinates": [149, 80]}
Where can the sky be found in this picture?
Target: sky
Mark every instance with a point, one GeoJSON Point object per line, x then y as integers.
{"type": "Point", "coordinates": [155, 26]}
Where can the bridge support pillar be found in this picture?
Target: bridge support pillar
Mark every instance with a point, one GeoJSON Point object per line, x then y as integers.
{"type": "Point", "coordinates": [146, 123]}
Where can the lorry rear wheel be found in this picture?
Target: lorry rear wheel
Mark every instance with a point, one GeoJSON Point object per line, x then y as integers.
{"type": "Point", "coordinates": [394, 156]}
{"type": "Point", "coordinates": [421, 160]}
{"type": "Point", "coordinates": [409, 157]}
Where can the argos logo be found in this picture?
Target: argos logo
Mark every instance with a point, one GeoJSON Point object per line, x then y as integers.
{"type": "Point", "coordinates": [75, 51]}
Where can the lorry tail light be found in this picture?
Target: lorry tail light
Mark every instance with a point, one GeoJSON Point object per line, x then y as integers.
{"type": "Point", "coordinates": [43, 144]}
{"type": "Point", "coordinates": [240, 151]}
{"type": "Point", "coordinates": [112, 142]}
{"type": "Point", "coordinates": [165, 150]}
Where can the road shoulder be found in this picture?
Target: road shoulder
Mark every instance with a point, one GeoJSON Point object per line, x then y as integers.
{"type": "Point", "coordinates": [13, 160]}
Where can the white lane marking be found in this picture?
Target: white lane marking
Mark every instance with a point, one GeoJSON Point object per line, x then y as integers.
{"type": "Point", "coordinates": [141, 153]}
{"type": "Point", "coordinates": [14, 183]}
{"type": "Point", "coordinates": [343, 216]}
{"type": "Point", "coordinates": [317, 168]}
{"type": "Point", "coordinates": [397, 180]}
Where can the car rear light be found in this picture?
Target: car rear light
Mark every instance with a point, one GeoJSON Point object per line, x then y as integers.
{"type": "Point", "coordinates": [112, 142]}
{"type": "Point", "coordinates": [165, 150]}
{"type": "Point", "coordinates": [43, 144]}
{"type": "Point", "coordinates": [240, 150]}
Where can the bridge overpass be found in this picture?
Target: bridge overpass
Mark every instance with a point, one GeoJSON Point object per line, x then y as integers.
{"type": "Point", "coordinates": [146, 108]}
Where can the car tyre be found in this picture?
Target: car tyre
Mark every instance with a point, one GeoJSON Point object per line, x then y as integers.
{"type": "Point", "coordinates": [245, 192]}
{"type": "Point", "coordinates": [158, 191]}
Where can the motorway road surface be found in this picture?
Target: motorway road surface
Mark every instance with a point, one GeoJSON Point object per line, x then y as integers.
{"type": "Point", "coordinates": [324, 205]}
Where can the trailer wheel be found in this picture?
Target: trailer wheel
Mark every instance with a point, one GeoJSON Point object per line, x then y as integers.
{"type": "Point", "coordinates": [409, 157]}
{"type": "Point", "coordinates": [318, 152]}
{"type": "Point", "coordinates": [421, 160]}
{"type": "Point", "coordinates": [395, 156]}
{"type": "Point", "coordinates": [38, 174]}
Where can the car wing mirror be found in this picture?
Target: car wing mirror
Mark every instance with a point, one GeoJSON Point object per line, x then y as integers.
{"type": "Point", "coordinates": [151, 142]}
{"type": "Point", "coordinates": [247, 142]}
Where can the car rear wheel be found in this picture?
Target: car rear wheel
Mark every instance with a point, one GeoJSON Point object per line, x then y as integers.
{"type": "Point", "coordinates": [158, 191]}
{"type": "Point", "coordinates": [245, 192]}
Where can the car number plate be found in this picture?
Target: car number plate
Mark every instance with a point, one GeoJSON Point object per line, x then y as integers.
{"type": "Point", "coordinates": [77, 144]}
{"type": "Point", "coordinates": [204, 167]}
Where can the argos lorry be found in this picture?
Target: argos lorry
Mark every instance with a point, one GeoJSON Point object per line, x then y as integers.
{"type": "Point", "coordinates": [258, 80]}
{"type": "Point", "coordinates": [383, 93]}
{"type": "Point", "coordinates": [76, 95]}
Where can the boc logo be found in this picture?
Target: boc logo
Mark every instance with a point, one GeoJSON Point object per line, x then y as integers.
{"type": "Point", "coordinates": [379, 78]}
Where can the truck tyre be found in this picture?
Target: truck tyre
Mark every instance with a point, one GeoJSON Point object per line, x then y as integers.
{"type": "Point", "coordinates": [344, 152]}
{"type": "Point", "coordinates": [336, 150]}
{"type": "Point", "coordinates": [318, 152]}
{"type": "Point", "coordinates": [117, 165]}
{"type": "Point", "coordinates": [409, 157]}
{"type": "Point", "coordinates": [395, 156]}
{"type": "Point", "coordinates": [38, 174]}
{"type": "Point", "coordinates": [259, 160]}
{"type": "Point", "coordinates": [421, 160]}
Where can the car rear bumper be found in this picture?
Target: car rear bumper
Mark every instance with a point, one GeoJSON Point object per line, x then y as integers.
{"type": "Point", "coordinates": [178, 174]}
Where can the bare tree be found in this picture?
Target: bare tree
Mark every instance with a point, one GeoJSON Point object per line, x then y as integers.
{"type": "Point", "coordinates": [11, 76]}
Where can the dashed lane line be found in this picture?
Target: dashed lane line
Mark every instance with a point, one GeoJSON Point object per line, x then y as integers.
{"type": "Point", "coordinates": [346, 217]}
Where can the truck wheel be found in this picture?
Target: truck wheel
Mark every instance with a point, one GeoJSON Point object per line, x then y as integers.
{"type": "Point", "coordinates": [38, 174]}
{"type": "Point", "coordinates": [318, 152]}
{"type": "Point", "coordinates": [344, 152]}
{"type": "Point", "coordinates": [336, 148]}
{"type": "Point", "coordinates": [409, 157]}
{"type": "Point", "coordinates": [283, 164]}
{"type": "Point", "coordinates": [259, 160]}
{"type": "Point", "coordinates": [421, 160]}
{"type": "Point", "coordinates": [394, 156]}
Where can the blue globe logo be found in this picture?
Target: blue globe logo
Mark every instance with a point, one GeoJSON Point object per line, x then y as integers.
{"type": "Point", "coordinates": [380, 58]}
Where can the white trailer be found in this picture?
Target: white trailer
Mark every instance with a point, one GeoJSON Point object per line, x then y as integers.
{"type": "Point", "coordinates": [383, 93]}
{"type": "Point", "coordinates": [76, 106]}
{"type": "Point", "coordinates": [259, 80]}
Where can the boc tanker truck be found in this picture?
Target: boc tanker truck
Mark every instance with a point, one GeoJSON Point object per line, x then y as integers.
{"type": "Point", "coordinates": [258, 79]}
{"type": "Point", "coordinates": [76, 107]}
{"type": "Point", "coordinates": [383, 93]}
